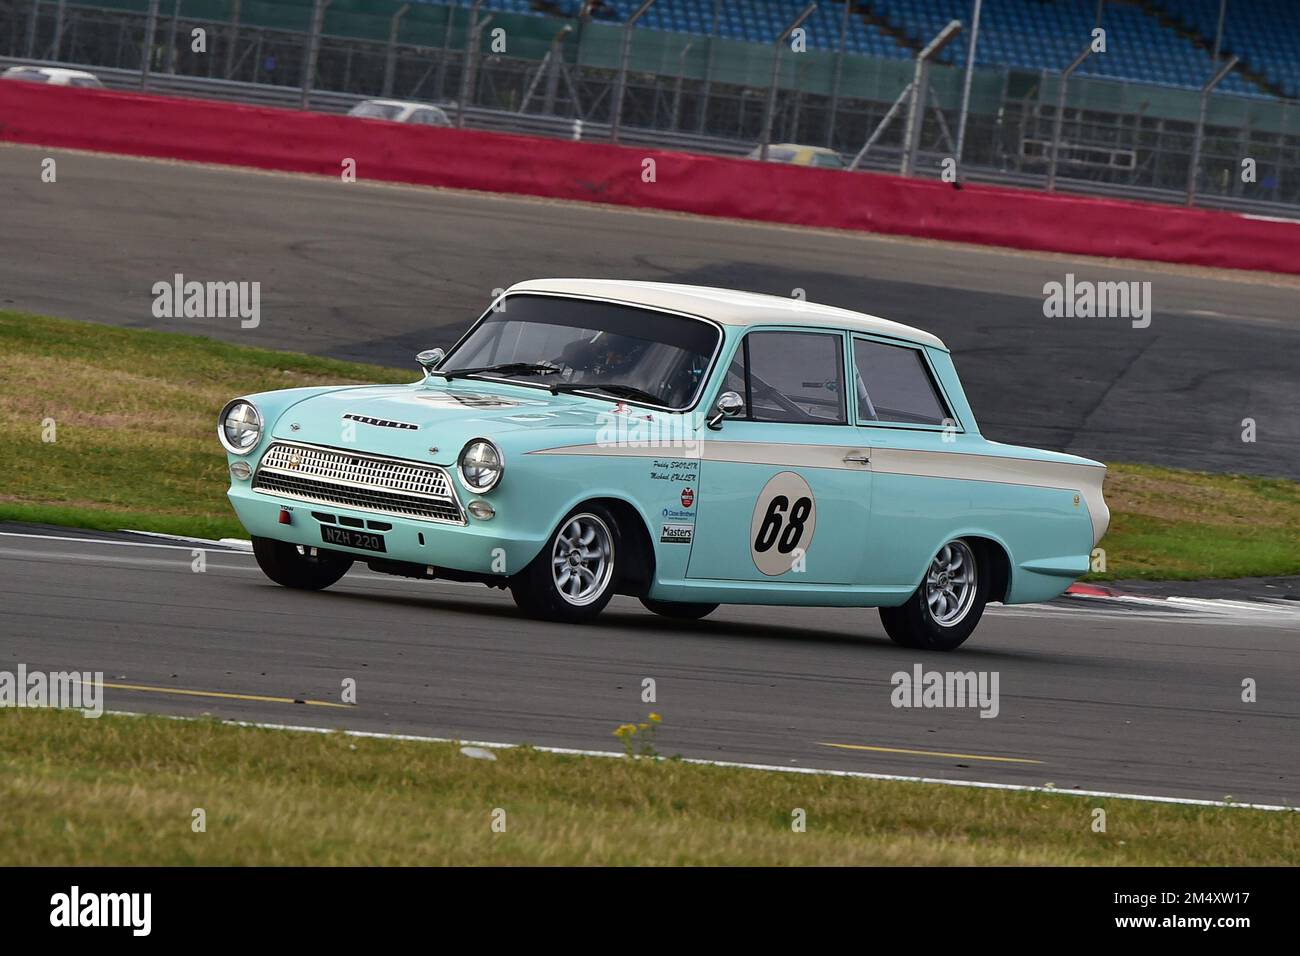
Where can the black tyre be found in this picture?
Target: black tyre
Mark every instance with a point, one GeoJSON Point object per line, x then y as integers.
{"type": "Point", "coordinates": [573, 577]}
{"type": "Point", "coordinates": [946, 608]}
{"type": "Point", "coordinates": [296, 566]}
{"type": "Point", "coordinates": [681, 610]}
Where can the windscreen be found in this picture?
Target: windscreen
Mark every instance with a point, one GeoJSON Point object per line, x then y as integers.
{"type": "Point", "coordinates": [595, 344]}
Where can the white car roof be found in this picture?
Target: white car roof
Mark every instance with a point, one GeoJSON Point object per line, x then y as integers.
{"type": "Point", "coordinates": [51, 71]}
{"type": "Point", "coordinates": [402, 103]}
{"type": "Point", "coordinates": [727, 306]}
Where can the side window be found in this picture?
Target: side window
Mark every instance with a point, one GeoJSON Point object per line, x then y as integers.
{"type": "Point", "coordinates": [894, 385]}
{"type": "Point", "coordinates": [795, 377]}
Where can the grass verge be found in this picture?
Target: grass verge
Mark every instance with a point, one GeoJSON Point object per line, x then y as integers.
{"type": "Point", "coordinates": [134, 414]}
{"type": "Point", "coordinates": [123, 790]}
{"type": "Point", "coordinates": [134, 418]}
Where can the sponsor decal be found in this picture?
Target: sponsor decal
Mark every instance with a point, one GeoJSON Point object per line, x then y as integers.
{"type": "Point", "coordinates": [675, 514]}
{"type": "Point", "coordinates": [781, 530]}
{"type": "Point", "coordinates": [688, 497]}
{"type": "Point", "coordinates": [676, 534]}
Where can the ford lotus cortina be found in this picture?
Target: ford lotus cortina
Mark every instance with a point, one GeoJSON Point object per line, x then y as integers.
{"type": "Point", "coordinates": [687, 446]}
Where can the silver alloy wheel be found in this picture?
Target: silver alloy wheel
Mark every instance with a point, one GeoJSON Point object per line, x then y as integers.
{"type": "Point", "coordinates": [582, 560]}
{"type": "Point", "coordinates": [950, 583]}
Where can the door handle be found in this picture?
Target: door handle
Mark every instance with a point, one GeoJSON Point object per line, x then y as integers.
{"type": "Point", "coordinates": [859, 459]}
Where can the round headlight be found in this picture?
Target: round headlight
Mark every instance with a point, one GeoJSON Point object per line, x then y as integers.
{"type": "Point", "coordinates": [239, 427]}
{"type": "Point", "coordinates": [480, 466]}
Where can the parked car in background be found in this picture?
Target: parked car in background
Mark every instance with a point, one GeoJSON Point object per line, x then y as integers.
{"type": "Point", "coordinates": [401, 111]}
{"type": "Point", "coordinates": [686, 446]}
{"type": "Point", "coordinates": [53, 76]}
{"type": "Point", "coordinates": [797, 155]}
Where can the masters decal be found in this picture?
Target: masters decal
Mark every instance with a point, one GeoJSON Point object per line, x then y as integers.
{"type": "Point", "coordinates": [676, 533]}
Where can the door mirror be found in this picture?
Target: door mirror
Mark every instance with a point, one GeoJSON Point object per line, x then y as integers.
{"type": "Point", "coordinates": [730, 404]}
{"type": "Point", "coordinates": [430, 359]}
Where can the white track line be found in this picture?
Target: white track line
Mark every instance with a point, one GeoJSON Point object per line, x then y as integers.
{"type": "Point", "coordinates": [211, 546]}
{"type": "Point", "coordinates": [770, 768]}
{"type": "Point", "coordinates": [237, 543]}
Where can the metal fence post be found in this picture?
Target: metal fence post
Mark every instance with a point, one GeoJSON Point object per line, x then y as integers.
{"type": "Point", "coordinates": [620, 84]}
{"type": "Point", "coordinates": [708, 68]}
{"type": "Point", "coordinates": [839, 73]}
{"type": "Point", "coordinates": [916, 108]}
{"type": "Point", "coordinates": [440, 82]}
{"type": "Point", "coordinates": [677, 89]}
{"type": "Point", "coordinates": [313, 51]}
{"type": "Point", "coordinates": [31, 29]}
{"type": "Point", "coordinates": [556, 57]}
{"type": "Point", "coordinates": [146, 52]}
{"type": "Point", "coordinates": [770, 110]}
{"type": "Point", "coordinates": [1194, 165]}
{"type": "Point", "coordinates": [390, 59]}
{"type": "Point", "coordinates": [1059, 119]}
{"type": "Point", "coordinates": [234, 39]}
{"type": "Point", "coordinates": [468, 64]}
{"type": "Point", "coordinates": [970, 70]}
{"type": "Point", "coordinates": [60, 12]}
{"type": "Point", "coordinates": [171, 36]}
{"type": "Point", "coordinates": [1218, 32]}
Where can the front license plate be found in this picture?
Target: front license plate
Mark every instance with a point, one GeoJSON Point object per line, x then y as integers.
{"type": "Point", "coordinates": [361, 540]}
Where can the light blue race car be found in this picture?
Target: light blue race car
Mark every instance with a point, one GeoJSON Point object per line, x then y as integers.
{"type": "Point", "coordinates": [687, 446]}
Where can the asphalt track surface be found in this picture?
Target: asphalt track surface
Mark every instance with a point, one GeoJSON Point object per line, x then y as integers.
{"type": "Point", "coordinates": [377, 272]}
{"type": "Point", "coordinates": [1093, 695]}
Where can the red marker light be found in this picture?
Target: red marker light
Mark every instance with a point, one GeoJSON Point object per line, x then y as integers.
{"type": "Point", "coordinates": [285, 517]}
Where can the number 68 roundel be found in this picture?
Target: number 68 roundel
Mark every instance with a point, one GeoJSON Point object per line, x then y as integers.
{"type": "Point", "coordinates": [781, 531]}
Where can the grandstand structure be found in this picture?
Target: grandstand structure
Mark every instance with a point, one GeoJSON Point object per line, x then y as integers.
{"type": "Point", "coordinates": [1169, 42]}
{"type": "Point", "coordinates": [696, 74]}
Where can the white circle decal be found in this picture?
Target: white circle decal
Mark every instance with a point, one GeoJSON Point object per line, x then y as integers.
{"type": "Point", "coordinates": [781, 531]}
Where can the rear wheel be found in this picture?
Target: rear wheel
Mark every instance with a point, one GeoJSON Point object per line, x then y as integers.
{"type": "Point", "coordinates": [945, 609]}
{"type": "Point", "coordinates": [682, 610]}
{"type": "Point", "coordinates": [298, 566]}
{"type": "Point", "coordinates": [572, 579]}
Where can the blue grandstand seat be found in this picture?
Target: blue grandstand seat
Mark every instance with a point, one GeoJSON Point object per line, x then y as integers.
{"type": "Point", "coordinates": [1264, 33]}
{"type": "Point", "coordinates": [1047, 34]}
{"type": "Point", "coordinates": [1029, 34]}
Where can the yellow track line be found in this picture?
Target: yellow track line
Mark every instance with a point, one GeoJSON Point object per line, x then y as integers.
{"type": "Point", "coordinates": [212, 693]}
{"type": "Point", "coordinates": [928, 753]}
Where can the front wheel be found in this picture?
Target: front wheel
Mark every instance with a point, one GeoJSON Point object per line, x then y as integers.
{"type": "Point", "coordinates": [682, 610]}
{"type": "Point", "coordinates": [945, 609]}
{"type": "Point", "coordinates": [298, 566]}
{"type": "Point", "coordinates": [572, 579]}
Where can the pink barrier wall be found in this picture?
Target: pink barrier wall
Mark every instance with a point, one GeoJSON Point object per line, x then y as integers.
{"type": "Point", "coordinates": [213, 132]}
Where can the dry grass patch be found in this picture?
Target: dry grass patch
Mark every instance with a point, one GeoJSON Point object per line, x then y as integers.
{"type": "Point", "coordinates": [1182, 524]}
{"type": "Point", "coordinates": [121, 791]}
{"type": "Point", "coordinates": [135, 419]}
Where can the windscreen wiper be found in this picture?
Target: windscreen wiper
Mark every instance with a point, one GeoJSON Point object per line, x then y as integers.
{"type": "Point", "coordinates": [508, 368]}
{"type": "Point", "coordinates": [619, 391]}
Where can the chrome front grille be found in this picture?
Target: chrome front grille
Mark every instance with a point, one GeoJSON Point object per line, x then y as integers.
{"type": "Point", "coordinates": [367, 482]}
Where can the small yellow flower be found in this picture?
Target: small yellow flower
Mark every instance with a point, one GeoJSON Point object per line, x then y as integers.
{"type": "Point", "coordinates": [655, 718]}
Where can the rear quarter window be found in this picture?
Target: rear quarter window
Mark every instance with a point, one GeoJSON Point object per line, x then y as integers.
{"type": "Point", "coordinates": [894, 384]}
